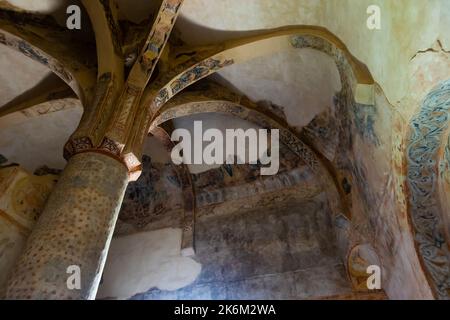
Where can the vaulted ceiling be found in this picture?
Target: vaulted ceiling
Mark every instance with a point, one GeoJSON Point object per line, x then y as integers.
{"type": "Point", "coordinates": [375, 79]}
{"type": "Point", "coordinates": [302, 83]}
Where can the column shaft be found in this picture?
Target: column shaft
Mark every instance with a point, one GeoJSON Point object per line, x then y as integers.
{"type": "Point", "coordinates": [75, 229]}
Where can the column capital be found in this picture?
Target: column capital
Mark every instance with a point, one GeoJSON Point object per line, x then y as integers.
{"type": "Point", "coordinates": [111, 125]}
{"type": "Point", "coordinates": [117, 119]}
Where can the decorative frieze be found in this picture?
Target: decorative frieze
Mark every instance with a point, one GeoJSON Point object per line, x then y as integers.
{"type": "Point", "coordinates": [427, 135]}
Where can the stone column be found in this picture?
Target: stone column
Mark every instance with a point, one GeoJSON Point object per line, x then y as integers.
{"type": "Point", "coordinates": [104, 154]}
{"type": "Point", "coordinates": [75, 229]}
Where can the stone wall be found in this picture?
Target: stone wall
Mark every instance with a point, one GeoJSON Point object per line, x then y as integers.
{"type": "Point", "coordinates": [281, 249]}
{"type": "Point", "coordinates": [260, 237]}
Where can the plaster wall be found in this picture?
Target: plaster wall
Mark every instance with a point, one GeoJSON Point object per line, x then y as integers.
{"type": "Point", "coordinates": [407, 27]}
{"type": "Point", "coordinates": [283, 250]}
{"type": "Point", "coordinates": [37, 141]}
{"type": "Point", "coordinates": [42, 6]}
{"type": "Point", "coordinates": [19, 74]}
{"type": "Point", "coordinates": [302, 82]}
{"type": "Point", "coordinates": [146, 260]}
{"type": "Point", "coordinates": [379, 198]}
{"type": "Point", "coordinates": [255, 237]}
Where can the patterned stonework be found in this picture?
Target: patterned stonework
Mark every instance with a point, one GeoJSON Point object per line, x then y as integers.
{"type": "Point", "coordinates": [198, 72]}
{"type": "Point", "coordinates": [156, 41]}
{"type": "Point", "coordinates": [362, 118]}
{"type": "Point", "coordinates": [75, 228]}
{"type": "Point", "coordinates": [425, 140]}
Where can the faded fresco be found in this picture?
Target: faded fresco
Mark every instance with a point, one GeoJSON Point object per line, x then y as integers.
{"type": "Point", "coordinates": [22, 199]}
{"type": "Point", "coordinates": [364, 172]}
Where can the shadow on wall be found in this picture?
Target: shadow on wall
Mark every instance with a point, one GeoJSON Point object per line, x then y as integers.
{"type": "Point", "coordinates": [282, 251]}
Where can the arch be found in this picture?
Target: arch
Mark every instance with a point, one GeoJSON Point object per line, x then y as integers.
{"type": "Point", "coordinates": [37, 108]}
{"type": "Point", "coordinates": [356, 80]}
{"type": "Point", "coordinates": [428, 134]}
{"type": "Point", "coordinates": [103, 17]}
{"type": "Point", "coordinates": [287, 136]}
{"type": "Point", "coordinates": [357, 90]}
{"type": "Point", "coordinates": [30, 103]}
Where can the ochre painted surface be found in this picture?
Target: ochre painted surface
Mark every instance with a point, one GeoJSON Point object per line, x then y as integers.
{"type": "Point", "coordinates": [22, 199]}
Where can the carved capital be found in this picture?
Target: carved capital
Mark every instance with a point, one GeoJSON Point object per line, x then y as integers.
{"type": "Point", "coordinates": [108, 147]}
{"type": "Point", "coordinates": [118, 121]}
